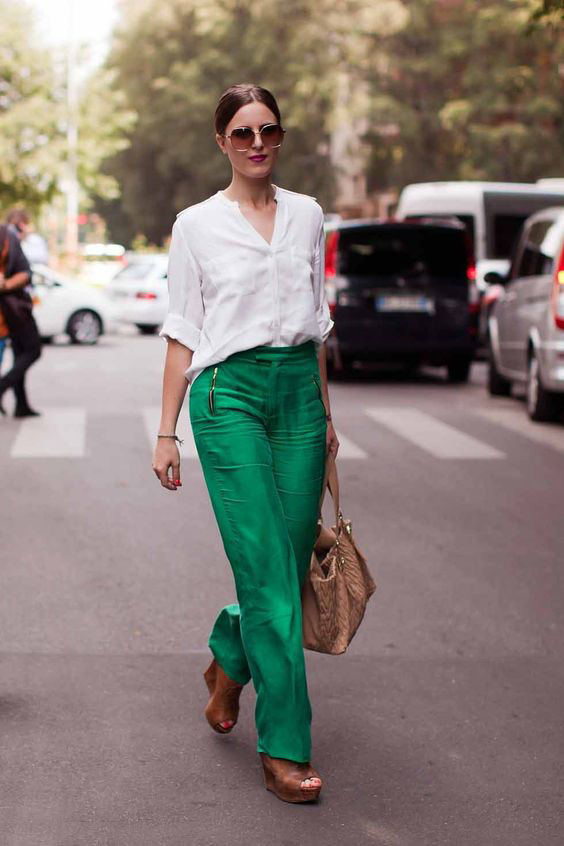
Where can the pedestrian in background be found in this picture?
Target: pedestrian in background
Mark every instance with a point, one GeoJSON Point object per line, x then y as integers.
{"type": "Point", "coordinates": [16, 306]}
{"type": "Point", "coordinates": [247, 321]}
{"type": "Point", "coordinates": [4, 335]}
{"type": "Point", "coordinates": [33, 244]}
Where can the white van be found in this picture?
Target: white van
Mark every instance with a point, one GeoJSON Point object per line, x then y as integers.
{"type": "Point", "coordinates": [493, 213]}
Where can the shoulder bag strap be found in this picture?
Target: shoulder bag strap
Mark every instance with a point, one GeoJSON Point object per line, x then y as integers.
{"type": "Point", "coordinates": [331, 482]}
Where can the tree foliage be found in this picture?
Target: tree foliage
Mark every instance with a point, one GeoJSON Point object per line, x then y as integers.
{"type": "Point", "coordinates": [31, 135]}
{"type": "Point", "coordinates": [467, 90]}
{"type": "Point", "coordinates": [174, 61]}
{"type": "Point", "coordinates": [34, 118]}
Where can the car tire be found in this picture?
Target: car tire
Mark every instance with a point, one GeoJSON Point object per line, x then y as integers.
{"type": "Point", "coordinates": [542, 405]}
{"type": "Point", "coordinates": [84, 327]}
{"type": "Point", "coordinates": [498, 385]}
{"type": "Point", "coordinates": [458, 370]}
{"type": "Point", "coordinates": [147, 328]}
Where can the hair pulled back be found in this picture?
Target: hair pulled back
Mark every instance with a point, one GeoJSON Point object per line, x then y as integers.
{"type": "Point", "coordinates": [240, 95]}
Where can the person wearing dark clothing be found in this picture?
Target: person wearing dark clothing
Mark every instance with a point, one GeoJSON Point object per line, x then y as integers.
{"type": "Point", "coordinates": [16, 305]}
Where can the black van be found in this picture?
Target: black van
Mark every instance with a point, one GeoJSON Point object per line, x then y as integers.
{"type": "Point", "coordinates": [401, 291]}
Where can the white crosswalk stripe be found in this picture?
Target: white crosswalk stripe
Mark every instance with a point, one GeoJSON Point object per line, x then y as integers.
{"type": "Point", "coordinates": [348, 449]}
{"type": "Point", "coordinates": [430, 434]}
{"type": "Point", "coordinates": [516, 420]}
{"type": "Point", "coordinates": [151, 418]}
{"type": "Point", "coordinates": [58, 433]}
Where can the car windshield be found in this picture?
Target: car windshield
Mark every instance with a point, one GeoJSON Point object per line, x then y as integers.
{"type": "Point", "coordinates": [420, 252]}
{"type": "Point", "coordinates": [137, 270]}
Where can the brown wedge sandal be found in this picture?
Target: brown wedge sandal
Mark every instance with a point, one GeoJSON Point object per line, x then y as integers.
{"type": "Point", "coordinates": [285, 779]}
{"type": "Point", "coordinates": [223, 705]}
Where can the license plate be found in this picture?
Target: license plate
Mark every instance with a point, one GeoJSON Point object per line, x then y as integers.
{"type": "Point", "coordinates": [404, 302]}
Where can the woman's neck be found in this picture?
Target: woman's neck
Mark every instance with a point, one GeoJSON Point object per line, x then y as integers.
{"type": "Point", "coordinates": [256, 193]}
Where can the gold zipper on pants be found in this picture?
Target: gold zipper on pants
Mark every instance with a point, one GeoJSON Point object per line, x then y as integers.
{"type": "Point", "coordinates": [317, 385]}
{"type": "Point", "coordinates": [210, 398]}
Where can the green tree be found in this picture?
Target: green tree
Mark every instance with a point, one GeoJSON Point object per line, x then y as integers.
{"type": "Point", "coordinates": [31, 103]}
{"type": "Point", "coordinates": [466, 90]}
{"type": "Point", "coordinates": [33, 119]}
{"type": "Point", "coordinates": [173, 62]}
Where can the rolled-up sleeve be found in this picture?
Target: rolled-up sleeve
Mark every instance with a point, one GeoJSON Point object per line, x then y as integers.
{"type": "Point", "coordinates": [185, 307]}
{"type": "Point", "coordinates": [320, 295]}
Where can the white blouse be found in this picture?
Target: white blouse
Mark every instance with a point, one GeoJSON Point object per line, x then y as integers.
{"type": "Point", "coordinates": [230, 290]}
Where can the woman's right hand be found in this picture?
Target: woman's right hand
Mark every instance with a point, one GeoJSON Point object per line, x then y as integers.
{"type": "Point", "coordinates": [165, 457]}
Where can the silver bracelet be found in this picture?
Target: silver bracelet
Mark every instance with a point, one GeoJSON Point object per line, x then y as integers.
{"type": "Point", "coordinates": [174, 437]}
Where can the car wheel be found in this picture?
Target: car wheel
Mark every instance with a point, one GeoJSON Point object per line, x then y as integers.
{"type": "Point", "coordinates": [498, 385]}
{"type": "Point", "coordinates": [458, 370]}
{"type": "Point", "coordinates": [542, 405]}
{"type": "Point", "coordinates": [84, 327]}
{"type": "Point", "coordinates": [147, 328]}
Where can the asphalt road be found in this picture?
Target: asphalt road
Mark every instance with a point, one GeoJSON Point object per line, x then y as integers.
{"type": "Point", "coordinates": [443, 724]}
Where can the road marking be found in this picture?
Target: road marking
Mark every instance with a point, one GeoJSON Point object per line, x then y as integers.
{"type": "Point", "coordinates": [58, 433]}
{"type": "Point", "coordinates": [430, 434]}
{"type": "Point", "coordinates": [152, 417]}
{"type": "Point", "coordinates": [551, 435]}
{"type": "Point", "coordinates": [348, 449]}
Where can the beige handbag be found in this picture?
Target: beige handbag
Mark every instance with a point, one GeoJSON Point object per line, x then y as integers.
{"type": "Point", "coordinates": [338, 585]}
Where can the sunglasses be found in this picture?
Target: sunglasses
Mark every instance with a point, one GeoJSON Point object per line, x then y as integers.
{"type": "Point", "coordinates": [242, 138]}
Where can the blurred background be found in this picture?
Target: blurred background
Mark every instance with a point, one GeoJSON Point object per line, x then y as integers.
{"type": "Point", "coordinates": [106, 109]}
{"type": "Point", "coordinates": [432, 134]}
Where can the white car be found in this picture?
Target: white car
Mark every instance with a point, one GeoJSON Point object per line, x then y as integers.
{"type": "Point", "coordinates": [62, 306]}
{"type": "Point", "coordinates": [493, 213]}
{"type": "Point", "coordinates": [140, 291]}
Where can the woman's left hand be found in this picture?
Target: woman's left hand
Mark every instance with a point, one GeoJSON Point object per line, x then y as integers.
{"type": "Point", "coordinates": [332, 441]}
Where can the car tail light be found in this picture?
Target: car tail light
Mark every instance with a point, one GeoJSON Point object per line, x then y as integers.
{"type": "Point", "coordinates": [331, 249]}
{"type": "Point", "coordinates": [558, 292]}
{"type": "Point", "coordinates": [146, 295]}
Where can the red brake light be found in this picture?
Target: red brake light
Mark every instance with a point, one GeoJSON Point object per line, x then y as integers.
{"type": "Point", "coordinates": [558, 292]}
{"type": "Point", "coordinates": [146, 295]}
{"type": "Point", "coordinates": [331, 246]}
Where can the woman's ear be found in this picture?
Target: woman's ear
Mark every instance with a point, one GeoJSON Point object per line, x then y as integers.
{"type": "Point", "coordinates": [221, 142]}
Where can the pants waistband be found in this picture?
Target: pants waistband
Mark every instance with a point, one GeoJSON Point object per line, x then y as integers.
{"type": "Point", "coordinates": [297, 352]}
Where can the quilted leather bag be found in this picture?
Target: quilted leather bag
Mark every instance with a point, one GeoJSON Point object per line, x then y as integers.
{"type": "Point", "coordinates": [338, 585]}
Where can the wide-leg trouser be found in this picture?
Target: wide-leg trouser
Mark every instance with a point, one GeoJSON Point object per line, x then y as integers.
{"type": "Point", "coordinates": [259, 427]}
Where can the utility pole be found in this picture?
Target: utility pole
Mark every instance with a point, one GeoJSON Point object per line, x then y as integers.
{"type": "Point", "coordinates": [71, 176]}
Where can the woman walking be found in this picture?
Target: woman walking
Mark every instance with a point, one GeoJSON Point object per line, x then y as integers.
{"type": "Point", "coordinates": [246, 327]}
{"type": "Point", "coordinates": [16, 307]}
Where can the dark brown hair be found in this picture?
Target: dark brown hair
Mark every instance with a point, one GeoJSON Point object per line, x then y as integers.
{"type": "Point", "coordinates": [240, 95]}
{"type": "Point", "coordinates": [17, 216]}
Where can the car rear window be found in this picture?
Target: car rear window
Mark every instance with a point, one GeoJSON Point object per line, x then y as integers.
{"type": "Point", "coordinates": [424, 252]}
{"type": "Point", "coordinates": [136, 270]}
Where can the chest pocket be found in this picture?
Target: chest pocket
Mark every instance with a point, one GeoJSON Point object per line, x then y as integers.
{"type": "Point", "coordinates": [230, 276]}
{"type": "Point", "coordinates": [302, 270]}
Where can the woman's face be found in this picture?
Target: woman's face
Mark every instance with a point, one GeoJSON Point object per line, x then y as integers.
{"type": "Point", "coordinates": [255, 115]}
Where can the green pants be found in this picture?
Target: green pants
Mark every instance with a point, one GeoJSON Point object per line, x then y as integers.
{"type": "Point", "coordinates": [259, 426]}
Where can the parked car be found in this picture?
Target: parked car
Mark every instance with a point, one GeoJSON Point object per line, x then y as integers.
{"type": "Point", "coordinates": [400, 291]}
{"type": "Point", "coordinates": [493, 213]}
{"type": "Point", "coordinates": [100, 263]}
{"type": "Point", "coordinates": [140, 291]}
{"type": "Point", "coordinates": [526, 326]}
{"type": "Point", "coordinates": [62, 306]}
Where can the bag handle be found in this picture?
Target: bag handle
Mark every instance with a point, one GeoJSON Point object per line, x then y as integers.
{"type": "Point", "coordinates": [331, 482]}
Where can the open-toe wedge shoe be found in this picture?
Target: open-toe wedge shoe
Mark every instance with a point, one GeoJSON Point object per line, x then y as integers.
{"type": "Point", "coordinates": [286, 779]}
{"type": "Point", "coordinates": [223, 705]}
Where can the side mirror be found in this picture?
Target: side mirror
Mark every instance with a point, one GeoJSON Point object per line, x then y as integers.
{"type": "Point", "coordinates": [492, 277]}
